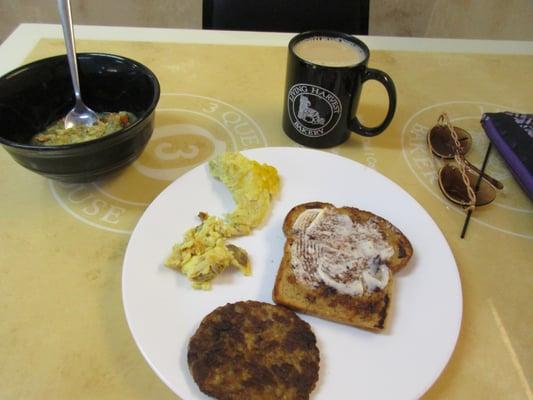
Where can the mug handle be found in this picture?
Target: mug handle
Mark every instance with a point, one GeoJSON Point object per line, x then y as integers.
{"type": "Point", "coordinates": [386, 81]}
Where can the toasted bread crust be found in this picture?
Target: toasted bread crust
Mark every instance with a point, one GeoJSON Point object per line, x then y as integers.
{"type": "Point", "coordinates": [367, 311]}
{"type": "Point", "coordinates": [253, 350]}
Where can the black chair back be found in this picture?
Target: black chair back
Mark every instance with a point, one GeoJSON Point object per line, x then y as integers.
{"type": "Point", "coordinates": [349, 16]}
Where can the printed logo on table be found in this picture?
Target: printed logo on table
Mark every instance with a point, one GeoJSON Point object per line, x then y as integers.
{"type": "Point", "coordinates": [313, 110]}
{"type": "Point", "coordinates": [190, 130]}
{"type": "Point", "coordinates": [511, 209]}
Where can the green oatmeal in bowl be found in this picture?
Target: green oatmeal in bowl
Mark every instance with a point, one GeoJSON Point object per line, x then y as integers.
{"type": "Point", "coordinates": [108, 122]}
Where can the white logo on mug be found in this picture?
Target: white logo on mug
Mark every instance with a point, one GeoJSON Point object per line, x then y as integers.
{"type": "Point", "coordinates": [313, 110]}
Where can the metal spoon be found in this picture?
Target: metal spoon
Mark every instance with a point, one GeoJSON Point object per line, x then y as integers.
{"type": "Point", "coordinates": [80, 114]}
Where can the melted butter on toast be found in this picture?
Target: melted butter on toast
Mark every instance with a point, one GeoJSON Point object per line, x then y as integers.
{"type": "Point", "coordinates": [331, 249]}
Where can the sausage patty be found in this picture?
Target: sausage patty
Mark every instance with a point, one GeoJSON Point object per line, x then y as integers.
{"type": "Point", "coordinates": [253, 350]}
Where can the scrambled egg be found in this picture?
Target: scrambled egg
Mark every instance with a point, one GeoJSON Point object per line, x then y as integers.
{"type": "Point", "coordinates": [204, 252]}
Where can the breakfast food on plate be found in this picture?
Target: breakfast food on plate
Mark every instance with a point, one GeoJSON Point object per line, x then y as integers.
{"type": "Point", "coordinates": [253, 350]}
{"type": "Point", "coordinates": [204, 251]}
{"type": "Point", "coordinates": [338, 264]}
{"type": "Point", "coordinates": [107, 123]}
{"type": "Point", "coordinates": [252, 185]}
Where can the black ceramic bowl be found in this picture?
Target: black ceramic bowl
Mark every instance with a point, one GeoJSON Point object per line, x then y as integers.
{"type": "Point", "coordinates": [35, 95]}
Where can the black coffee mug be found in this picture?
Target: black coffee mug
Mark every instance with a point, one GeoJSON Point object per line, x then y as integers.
{"type": "Point", "coordinates": [321, 98]}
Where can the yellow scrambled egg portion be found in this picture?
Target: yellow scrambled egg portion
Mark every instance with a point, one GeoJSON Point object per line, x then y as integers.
{"type": "Point", "coordinates": [204, 251]}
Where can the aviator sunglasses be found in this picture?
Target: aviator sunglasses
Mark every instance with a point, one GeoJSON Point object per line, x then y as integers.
{"type": "Point", "coordinates": [459, 180]}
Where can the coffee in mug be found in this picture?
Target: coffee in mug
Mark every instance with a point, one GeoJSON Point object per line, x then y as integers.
{"type": "Point", "coordinates": [325, 75]}
{"type": "Point", "coordinates": [329, 51]}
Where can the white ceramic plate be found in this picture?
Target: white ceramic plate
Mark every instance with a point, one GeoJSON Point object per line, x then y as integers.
{"type": "Point", "coordinates": [163, 311]}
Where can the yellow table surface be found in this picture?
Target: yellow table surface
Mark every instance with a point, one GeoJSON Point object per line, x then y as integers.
{"type": "Point", "coordinates": [63, 334]}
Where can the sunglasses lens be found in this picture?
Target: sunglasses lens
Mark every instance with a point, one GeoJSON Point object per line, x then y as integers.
{"type": "Point", "coordinates": [452, 185]}
{"type": "Point", "coordinates": [441, 141]}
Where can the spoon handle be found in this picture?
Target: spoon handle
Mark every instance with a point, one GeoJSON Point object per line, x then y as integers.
{"type": "Point", "coordinates": [68, 34]}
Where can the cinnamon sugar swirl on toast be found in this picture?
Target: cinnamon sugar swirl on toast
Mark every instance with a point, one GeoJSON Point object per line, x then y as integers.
{"type": "Point", "coordinates": [338, 264]}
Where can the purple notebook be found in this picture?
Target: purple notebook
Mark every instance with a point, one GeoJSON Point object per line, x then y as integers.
{"type": "Point", "coordinates": [512, 135]}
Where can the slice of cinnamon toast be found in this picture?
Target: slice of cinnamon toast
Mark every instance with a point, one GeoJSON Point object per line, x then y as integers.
{"type": "Point", "coordinates": [338, 264]}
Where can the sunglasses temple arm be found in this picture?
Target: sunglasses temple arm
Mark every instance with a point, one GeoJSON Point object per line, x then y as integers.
{"type": "Point", "coordinates": [476, 188]}
{"type": "Point", "coordinates": [496, 183]}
